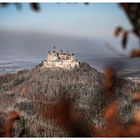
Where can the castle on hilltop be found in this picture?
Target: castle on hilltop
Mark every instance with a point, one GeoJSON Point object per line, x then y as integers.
{"type": "Point", "coordinates": [60, 60]}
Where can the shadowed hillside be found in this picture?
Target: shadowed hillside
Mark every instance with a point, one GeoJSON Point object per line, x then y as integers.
{"type": "Point", "coordinates": [59, 102]}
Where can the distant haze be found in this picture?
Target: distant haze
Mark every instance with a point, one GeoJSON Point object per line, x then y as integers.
{"type": "Point", "coordinates": [27, 45]}
{"type": "Point", "coordinates": [76, 27]}
{"type": "Point", "coordinates": [87, 31]}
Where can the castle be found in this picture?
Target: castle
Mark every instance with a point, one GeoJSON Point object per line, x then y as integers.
{"type": "Point", "coordinates": [60, 60]}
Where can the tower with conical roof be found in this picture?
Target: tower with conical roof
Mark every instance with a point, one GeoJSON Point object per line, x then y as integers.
{"type": "Point", "coordinates": [54, 50]}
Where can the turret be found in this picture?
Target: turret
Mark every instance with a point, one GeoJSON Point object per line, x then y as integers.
{"type": "Point", "coordinates": [54, 50]}
{"type": "Point", "coordinates": [61, 51]}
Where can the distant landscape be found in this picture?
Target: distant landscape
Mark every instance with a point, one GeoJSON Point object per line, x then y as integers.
{"type": "Point", "coordinates": [69, 70]}
{"type": "Point", "coordinates": [21, 51]}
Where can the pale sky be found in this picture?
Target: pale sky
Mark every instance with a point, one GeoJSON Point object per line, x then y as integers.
{"type": "Point", "coordinates": [93, 20]}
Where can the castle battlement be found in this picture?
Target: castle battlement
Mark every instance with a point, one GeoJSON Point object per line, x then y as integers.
{"type": "Point", "coordinates": [60, 60]}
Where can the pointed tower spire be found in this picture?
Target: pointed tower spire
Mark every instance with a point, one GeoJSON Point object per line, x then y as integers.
{"type": "Point", "coordinates": [54, 50]}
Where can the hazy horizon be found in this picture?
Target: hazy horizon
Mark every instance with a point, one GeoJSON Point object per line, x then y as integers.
{"type": "Point", "coordinates": [86, 30]}
{"type": "Point", "coordinates": [96, 21]}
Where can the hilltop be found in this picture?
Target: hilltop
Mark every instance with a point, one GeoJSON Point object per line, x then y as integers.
{"type": "Point", "coordinates": [61, 60]}
{"type": "Point", "coordinates": [48, 101]}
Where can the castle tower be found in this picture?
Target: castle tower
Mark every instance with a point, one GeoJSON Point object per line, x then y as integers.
{"type": "Point", "coordinates": [54, 50]}
{"type": "Point", "coordinates": [61, 51]}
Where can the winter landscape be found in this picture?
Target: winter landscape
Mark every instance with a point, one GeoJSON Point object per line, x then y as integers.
{"type": "Point", "coordinates": [63, 73]}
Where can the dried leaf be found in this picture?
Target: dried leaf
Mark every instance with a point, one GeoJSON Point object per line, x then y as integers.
{"type": "Point", "coordinates": [109, 76]}
{"type": "Point", "coordinates": [137, 32]}
{"type": "Point", "coordinates": [66, 117]}
{"type": "Point", "coordinates": [136, 117]}
{"type": "Point", "coordinates": [35, 7]}
{"type": "Point", "coordinates": [133, 130]}
{"type": "Point", "coordinates": [125, 5]}
{"type": "Point", "coordinates": [135, 53]}
{"type": "Point", "coordinates": [113, 129]}
{"type": "Point", "coordinates": [111, 111]}
{"type": "Point", "coordinates": [124, 40]}
{"type": "Point", "coordinates": [132, 12]}
{"type": "Point", "coordinates": [8, 126]}
{"type": "Point", "coordinates": [118, 30]}
{"type": "Point", "coordinates": [136, 97]}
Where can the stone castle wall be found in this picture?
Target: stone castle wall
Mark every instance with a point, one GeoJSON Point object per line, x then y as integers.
{"type": "Point", "coordinates": [66, 64]}
{"type": "Point", "coordinates": [60, 60]}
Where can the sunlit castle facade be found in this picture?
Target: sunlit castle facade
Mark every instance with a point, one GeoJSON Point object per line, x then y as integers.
{"type": "Point", "coordinates": [60, 60]}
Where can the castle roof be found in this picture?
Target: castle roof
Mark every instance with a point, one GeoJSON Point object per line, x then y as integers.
{"type": "Point", "coordinates": [55, 53]}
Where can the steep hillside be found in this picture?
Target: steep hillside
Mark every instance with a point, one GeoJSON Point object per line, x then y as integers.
{"type": "Point", "coordinates": [59, 102]}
